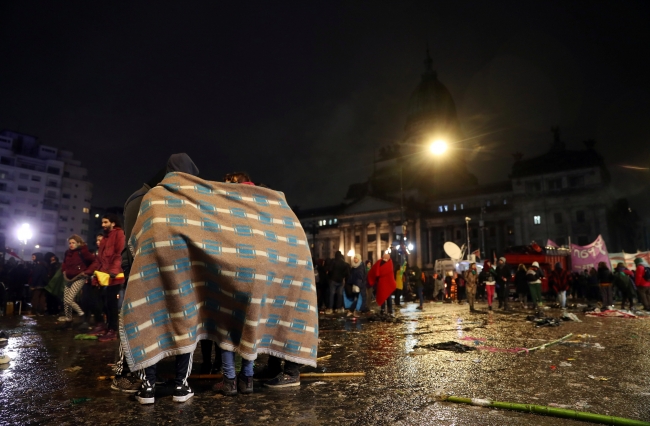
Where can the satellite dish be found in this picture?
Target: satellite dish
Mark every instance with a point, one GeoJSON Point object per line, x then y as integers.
{"type": "Point", "coordinates": [452, 250]}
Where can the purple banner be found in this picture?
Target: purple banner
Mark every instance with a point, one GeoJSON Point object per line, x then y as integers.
{"type": "Point", "coordinates": [587, 257]}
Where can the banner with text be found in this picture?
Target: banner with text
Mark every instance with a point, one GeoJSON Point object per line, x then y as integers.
{"type": "Point", "coordinates": [587, 257]}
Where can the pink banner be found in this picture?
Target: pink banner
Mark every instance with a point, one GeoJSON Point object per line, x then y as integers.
{"type": "Point", "coordinates": [551, 243]}
{"type": "Point", "coordinates": [587, 257]}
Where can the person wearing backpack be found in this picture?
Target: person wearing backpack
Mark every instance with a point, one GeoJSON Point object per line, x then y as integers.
{"type": "Point", "coordinates": [77, 259]}
{"type": "Point", "coordinates": [642, 282]}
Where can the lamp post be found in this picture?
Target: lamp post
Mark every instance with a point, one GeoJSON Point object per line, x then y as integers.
{"type": "Point", "coordinates": [24, 233]}
{"type": "Point", "coordinates": [467, 219]}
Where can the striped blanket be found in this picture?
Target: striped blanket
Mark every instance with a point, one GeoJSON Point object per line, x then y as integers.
{"type": "Point", "coordinates": [224, 262]}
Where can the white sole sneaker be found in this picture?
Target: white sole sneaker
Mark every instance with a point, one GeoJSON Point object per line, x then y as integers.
{"type": "Point", "coordinates": [144, 401]}
{"type": "Point", "coordinates": [183, 398]}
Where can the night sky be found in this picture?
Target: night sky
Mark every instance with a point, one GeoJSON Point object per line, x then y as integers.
{"type": "Point", "coordinates": [301, 95]}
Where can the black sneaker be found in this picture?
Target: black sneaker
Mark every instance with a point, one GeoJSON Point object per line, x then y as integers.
{"type": "Point", "coordinates": [283, 381]}
{"type": "Point", "coordinates": [182, 393]}
{"type": "Point", "coordinates": [146, 395]}
{"type": "Point", "coordinates": [244, 384]}
{"type": "Point", "coordinates": [265, 374]}
{"type": "Point", "coordinates": [226, 387]}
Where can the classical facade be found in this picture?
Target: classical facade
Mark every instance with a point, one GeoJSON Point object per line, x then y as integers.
{"type": "Point", "coordinates": [563, 195]}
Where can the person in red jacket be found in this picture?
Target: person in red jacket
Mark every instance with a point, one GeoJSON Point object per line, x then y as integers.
{"type": "Point", "coordinates": [77, 258]}
{"type": "Point", "coordinates": [642, 285]}
{"type": "Point", "coordinates": [382, 275]}
{"type": "Point", "coordinates": [109, 261]}
{"type": "Point", "coordinates": [560, 281]}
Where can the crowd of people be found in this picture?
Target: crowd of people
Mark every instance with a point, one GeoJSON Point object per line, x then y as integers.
{"type": "Point", "coordinates": [340, 283]}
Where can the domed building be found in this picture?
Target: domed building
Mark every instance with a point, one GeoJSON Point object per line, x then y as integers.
{"type": "Point", "coordinates": [431, 116]}
{"type": "Point", "coordinates": [418, 201]}
{"type": "Point", "coordinates": [431, 112]}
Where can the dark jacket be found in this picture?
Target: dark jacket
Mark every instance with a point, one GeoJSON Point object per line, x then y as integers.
{"type": "Point", "coordinates": [487, 275]}
{"type": "Point", "coordinates": [415, 277]}
{"type": "Point", "coordinates": [521, 283]}
{"type": "Point", "coordinates": [605, 275]}
{"type": "Point", "coordinates": [339, 270]}
{"type": "Point", "coordinates": [503, 274]}
{"type": "Point", "coordinates": [357, 276]}
{"type": "Point", "coordinates": [38, 273]}
{"type": "Point", "coordinates": [76, 261]}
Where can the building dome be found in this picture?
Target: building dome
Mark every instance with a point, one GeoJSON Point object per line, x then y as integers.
{"type": "Point", "coordinates": [431, 109]}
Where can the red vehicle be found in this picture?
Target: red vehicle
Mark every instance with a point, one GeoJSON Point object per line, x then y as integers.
{"type": "Point", "coordinates": [546, 260]}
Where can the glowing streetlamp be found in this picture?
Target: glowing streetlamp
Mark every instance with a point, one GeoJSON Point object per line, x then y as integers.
{"type": "Point", "coordinates": [351, 253]}
{"type": "Point", "coordinates": [24, 233]}
{"type": "Point", "coordinates": [438, 147]}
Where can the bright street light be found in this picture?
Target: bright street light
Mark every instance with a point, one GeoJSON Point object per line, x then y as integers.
{"type": "Point", "coordinates": [24, 233]}
{"type": "Point", "coordinates": [351, 253]}
{"type": "Point", "coordinates": [438, 147]}
{"type": "Point", "coordinates": [410, 247]}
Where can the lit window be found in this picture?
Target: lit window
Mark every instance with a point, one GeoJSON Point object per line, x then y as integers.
{"type": "Point", "coordinates": [330, 221]}
{"type": "Point", "coordinates": [537, 220]}
{"type": "Point", "coordinates": [86, 210]}
{"type": "Point", "coordinates": [505, 201]}
{"type": "Point", "coordinates": [335, 221]}
{"type": "Point", "coordinates": [461, 207]}
{"type": "Point", "coordinates": [440, 209]}
{"type": "Point", "coordinates": [454, 207]}
{"type": "Point", "coordinates": [488, 203]}
{"type": "Point", "coordinates": [446, 208]}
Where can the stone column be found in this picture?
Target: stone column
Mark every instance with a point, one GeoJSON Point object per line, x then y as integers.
{"type": "Point", "coordinates": [378, 233]}
{"type": "Point", "coordinates": [430, 247]}
{"type": "Point", "coordinates": [418, 242]}
{"type": "Point", "coordinates": [364, 242]}
{"type": "Point", "coordinates": [342, 239]}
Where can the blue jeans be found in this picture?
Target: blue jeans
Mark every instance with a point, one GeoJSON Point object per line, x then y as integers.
{"type": "Point", "coordinates": [336, 289]}
{"type": "Point", "coordinates": [358, 302]}
{"type": "Point", "coordinates": [420, 292]}
{"type": "Point", "coordinates": [561, 298]}
{"type": "Point", "coordinates": [228, 365]}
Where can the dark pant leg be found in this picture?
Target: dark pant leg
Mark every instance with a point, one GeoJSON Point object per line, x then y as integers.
{"type": "Point", "coordinates": [121, 366]}
{"type": "Point", "coordinates": [274, 365]}
{"type": "Point", "coordinates": [420, 292]}
{"type": "Point", "coordinates": [111, 306]}
{"type": "Point", "coordinates": [150, 375]}
{"type": "Point", "coordinates": [206, 351]}
{"type": "Point", "coordinates": [291, 368]}
{"type": "Point", "coordinates": [38, 301]}
{"type": "Point", "coordinates": [183, 368]}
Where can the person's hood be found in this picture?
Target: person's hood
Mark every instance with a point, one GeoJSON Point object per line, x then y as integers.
{"type": "Point", "coordinates": [49, 255]}
{"type": "Point", "coordinates": [558, 265]}
{"type": "Point", "coordinates": [535, 264]}
{"type": "Point", "coordinates": [38, 256]}
{"type": "Point", "coordinates": [502, 259]}
{"type": "Point", "coordinates": [486, 264]}
{"type": "Point", "coordinates": [356, 262]}
{"type": "Point", "coordinates": [182, 163]}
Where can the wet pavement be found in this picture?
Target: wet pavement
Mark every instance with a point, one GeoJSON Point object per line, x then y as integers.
{"type": "Point", "coordinates": [400, 386]}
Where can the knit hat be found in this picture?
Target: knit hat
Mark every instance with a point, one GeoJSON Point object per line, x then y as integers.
{"type": "Point", "coordinates": [502, 259]}
{"type": "Point", "coordinates": [535, 264]}
{"type": "Point", "coordinates": [638, 261]}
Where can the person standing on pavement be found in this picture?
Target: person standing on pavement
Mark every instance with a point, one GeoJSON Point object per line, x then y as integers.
{"type": "Point", "coordinates": [534, 277]}
{"type": "Point", "coordinates": [559, 280]}
{"type": "Point", "coordinates": [77, 258]}
{"type": "Point", "coordinates": [417, 280]}
{"type": "Point", "coordinates": [642, 282]}
{"type": "Point", "coordinates": [382, 277]}
{"type": "Point", "coordinates": [488, 277]}
{"type": "Point", "coordinates": [107, 271]}
{"type": "Point", "coordinates": [400, 278]}
{"type": "Point", "coordinates": [521, 284]}
{"type": "Point", "coordinates": [37, 283]}
{"type": "Point", "coordinates": [605, 279]}
{"type": "Point", "coordinates": [357, 281]}
{"type": "Point", "coordinates": [339, 272]}
{"type": "Point", "coordinates": [503, 276]}
{"type": "Point", "coordinates": [623, 280]}
{"type": "Point", "coordinates": [471, 279]}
